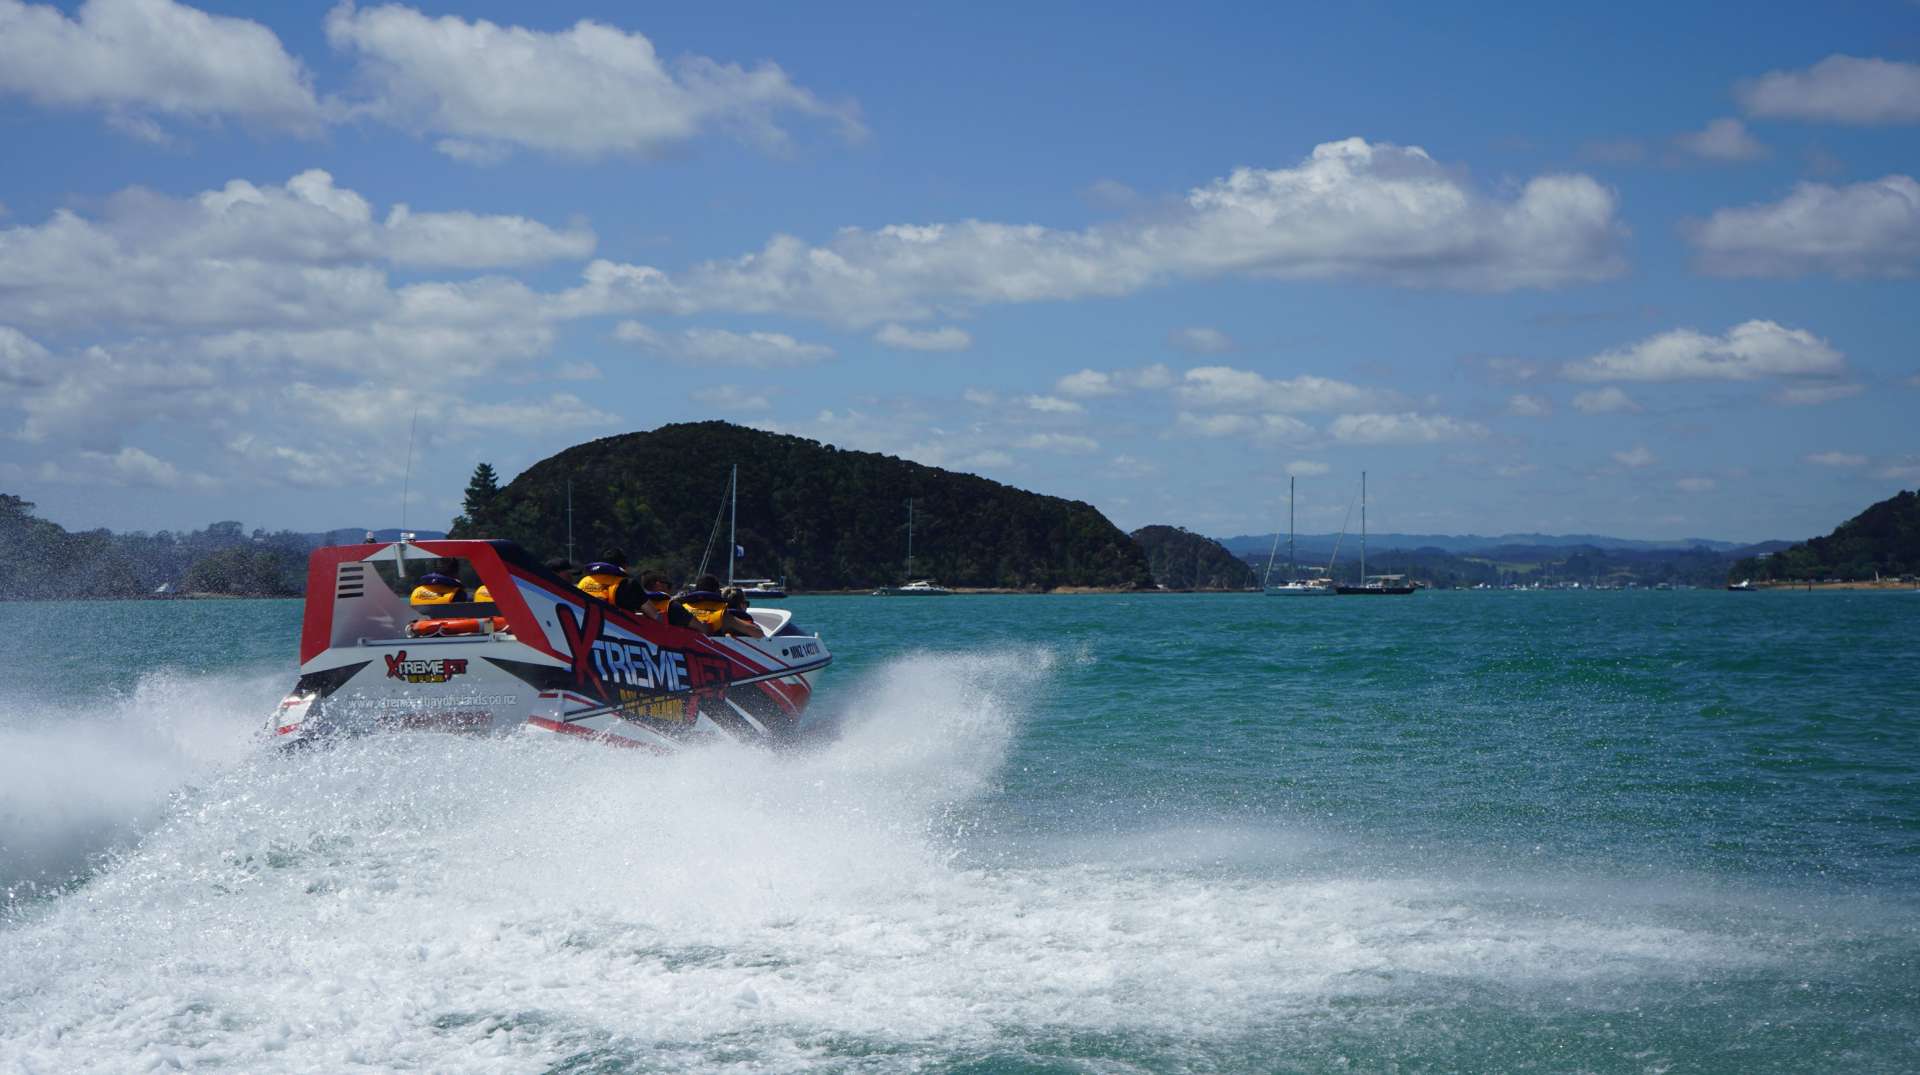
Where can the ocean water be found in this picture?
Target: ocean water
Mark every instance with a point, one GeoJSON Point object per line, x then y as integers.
{"type": "Point", "coordinates": [1605, 832]}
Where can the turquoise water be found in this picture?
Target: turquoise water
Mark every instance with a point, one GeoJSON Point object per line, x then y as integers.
{"type": "Point", "coordinates": [1673, 831]}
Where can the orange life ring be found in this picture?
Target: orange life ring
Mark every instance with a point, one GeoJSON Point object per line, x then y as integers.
{"type": "Point", "coordinates": [469, 626]}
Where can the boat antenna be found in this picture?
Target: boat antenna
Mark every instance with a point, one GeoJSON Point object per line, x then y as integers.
{"type": "Point", "coordinates": [570, 521]}
{"type": "Point", "coordinates": [1363, 528]}
{"type": "Point", "coordinates": [733, 521]}
{"type": "Point", "coordinates": [714, 534]}
{"type": "Point", "coordinates": [1293, 568]}
{"type": "Point", "coordinates": [1344, 520]}
{"type": "Point", "coordinates": [406, 488]}
{"type": "Point", "coordinates": [1271, 553]}
{"type": "Point", "coordinates": [909, 539]}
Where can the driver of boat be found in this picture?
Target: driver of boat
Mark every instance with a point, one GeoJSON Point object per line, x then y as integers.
{"type": "Point", "coordinates": [437, 589]}
{"type": "Point", "coordinates": [737, 621]}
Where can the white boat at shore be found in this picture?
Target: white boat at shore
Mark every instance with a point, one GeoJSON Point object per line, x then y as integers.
{"type": "Point", "coordinates": [917, 587]}
{"type": "Point", "coordinates": [1296, 586]}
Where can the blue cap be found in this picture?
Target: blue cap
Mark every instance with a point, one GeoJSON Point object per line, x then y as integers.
{"type": "Point", "coordinates": [601, 567]}
{"type": "Point", "coordinates": [435, 578]}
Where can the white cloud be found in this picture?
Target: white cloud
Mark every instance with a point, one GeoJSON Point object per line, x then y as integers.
{"type": "Point", "coordinates": [1838, 89]}
{"type": "Point", "coordinates": [1307, 468]}
{"type": "Point", "coordinates": [1235, 389]}
{"type": "Point", "coordinates": [980, 397]}
{"type": "Point", "coordinates": [1907, 469]}
{"type": "Point", "coordinates": [1051, 405]}
{"type": "Point", "coordinates": [591, 90]}
{"type": "Point", "coordinates": [467, 241]}
{"type": "Point", "coordinates": [1275, 427]}
{"type": "Point", "coordinates": [1352, 210]}
{"type": "Point", "coordinates": [1090, 384]}
{"type": "Point", "coordinates": [1406, 428]}
{"type": "Point", "coordinates": [1636, 456]}
{"type": "Point", "coordinates": [577, 371]}
{"type": "Point", "coordinates": [1862, 229]}
{"type": "Point", "coordinates": [1809, 395]}
{"type": "Point", "coordinates": [302, 255]}
{"type": "Point", "coordinates": [1695, 485]}
{"type": "Point", "coordinates": [1748, 351]}
{"type": "Point", "coordinates": [1525, 406]}
{"type": "Point", "coordinates": [562, 410]}
{"type": "Point", "coordinates": [727, 397]}
{"type": "Point", "coordinates": [1069, 443]}
{"type": "Point", "coordinates": [1837, 459]}
{"type": "Point", "coordinates": [129, 467]}
{"type": "Point", "coordinates": [990, 459]}
{"type": "Point", "coordinates": [23, 362]}
{"type": "Point", "coordinates": [720, 347]}
{"type": "Point", "coordinates": [135, 58]}
{"type": "Point", "coordinates": [1724, 139]}
{"type": "Point", "coordinates": [1608, 400]}
{"type": "Point", "coordinates": [1201, 340]}
{"type": "Point", "coordinates": [946, 338]}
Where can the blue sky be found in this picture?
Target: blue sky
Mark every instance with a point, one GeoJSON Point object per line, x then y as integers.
{"type": "Point", "coordinates": [1631, 270]}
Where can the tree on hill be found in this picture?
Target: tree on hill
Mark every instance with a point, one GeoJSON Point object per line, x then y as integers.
{"type": "Point", "coordinates": [1183, 560]}
{"type": "Point", "coordinates": [1882, 540]}
{"type": "Point", "coordinates": [476, 508]}
{"type": "Point", "coordinates": [821, 517]}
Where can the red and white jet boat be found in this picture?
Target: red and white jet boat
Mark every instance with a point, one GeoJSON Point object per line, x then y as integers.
{"type": "Point", "coordinates": [541, 656]}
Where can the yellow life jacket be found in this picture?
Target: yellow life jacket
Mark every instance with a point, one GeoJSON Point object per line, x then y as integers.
{"type": "Point", "coordinates": [482, 594]}
{"type": "Point", "coordinates": [709, 609]}
{"type": "Point", "coordinates": [430, 593]}
{"type": "Point", "coordinates": [602, 585]}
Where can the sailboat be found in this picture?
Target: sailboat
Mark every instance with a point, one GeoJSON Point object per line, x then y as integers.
{"type": "Point", "coordinates": [730, 508]}
{"type": "Point", "coordinates": [1295, 586]}
{"type": "Point", "coordinates": [1372, 585]}
{"type": "Point", "coordinates": [916, 587]}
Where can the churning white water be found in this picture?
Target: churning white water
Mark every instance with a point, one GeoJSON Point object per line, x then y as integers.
{"type": "Point", "coordinates": [451, 904]}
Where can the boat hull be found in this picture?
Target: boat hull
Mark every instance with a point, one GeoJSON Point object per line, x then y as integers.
{"type": "Point", "coordinates": [549, 659]}
{"type": "Point", "coordinates": [1374, 591]}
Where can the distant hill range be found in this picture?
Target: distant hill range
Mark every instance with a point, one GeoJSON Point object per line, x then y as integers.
{"type": "Point", "coordinates": [1322, 544]}
{"type": "Point", "coordinates": [1882, 541]}
{"type": "Point", "coordinates": [819, 516]}
{"type": "Point", "coordinates": [1183, 560]}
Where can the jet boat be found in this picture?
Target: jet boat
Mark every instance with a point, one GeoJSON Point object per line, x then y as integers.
{"type": "Point", "coordinates": [539, 657]}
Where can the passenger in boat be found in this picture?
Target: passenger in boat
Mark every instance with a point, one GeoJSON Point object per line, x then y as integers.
{"type": "Point", "coordinates": [565, 568]}
{"type": "Point", "coordinates": [737, 621]}
{"type": "Point", "coordinates": [605, 579]}
{"type": "Point", "coordinates": [482, 594]}
{"type": "Point", "coordinates": [705, 605]}
{"type": "Point", "coordinates": [659, 600]}
{"type": "Point", "coordinates": [437, 589]}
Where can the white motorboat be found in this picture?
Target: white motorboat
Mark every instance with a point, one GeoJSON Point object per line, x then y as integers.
{"type": "Point", "coordinates": [917, 588]}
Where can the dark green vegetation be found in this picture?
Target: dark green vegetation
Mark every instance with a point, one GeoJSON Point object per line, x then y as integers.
{"type": "Point", "coordinates": [1183, 560]}
{"type": "Point", "coordinates": [39, 559]}
{"type": "Point", "coordinates": [1883, 540]}
{"type": "Point", "coordinates": [821, 517]}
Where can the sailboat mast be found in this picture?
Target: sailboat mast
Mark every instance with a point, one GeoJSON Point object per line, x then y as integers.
{"type": "Point", "coordinates": [909, 539]}
{"type": "Point", "coordinates": [733, 520]}
{"type": "Point", "coordinates": [1363, 528]}
{"type": "Point", "coordinates": [1293, 570]}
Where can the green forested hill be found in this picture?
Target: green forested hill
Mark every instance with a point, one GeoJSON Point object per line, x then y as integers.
{"type": "Point", "coordinates": [1183, 560]}
{"type": "Point", "coordinates": [821, 517]}
{"type": "Point", "coordinates": [1883, 540]}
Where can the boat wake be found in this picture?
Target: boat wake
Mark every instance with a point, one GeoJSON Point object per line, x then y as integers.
{"type": "Point", "coordinates": [422, 900]}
